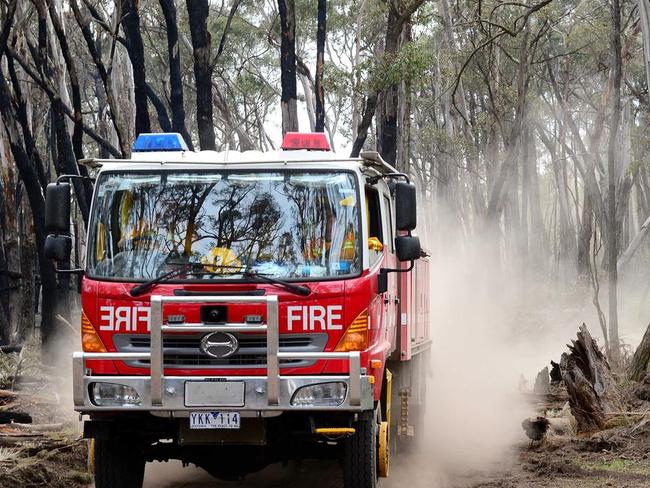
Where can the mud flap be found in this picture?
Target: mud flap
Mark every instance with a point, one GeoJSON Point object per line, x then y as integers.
{"type": "Point", "coordinates": [91, 456]}
{"type": "Point", "coordinates": [384, 449]}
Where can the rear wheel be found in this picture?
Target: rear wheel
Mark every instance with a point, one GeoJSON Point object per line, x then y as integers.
{"type": "Point", "coordinates": [360, 454]}
{"type": "Point", "coordinates": [118, 464]}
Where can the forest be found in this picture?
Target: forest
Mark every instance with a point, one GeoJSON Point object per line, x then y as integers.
{"type": "Point", "coordinates": [524, 125]}
{"type": "Point", "coordinates": [523, 120]}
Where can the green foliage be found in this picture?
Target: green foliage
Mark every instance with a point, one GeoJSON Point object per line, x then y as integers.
{"type": "Point", "coordinates": [7, 369]}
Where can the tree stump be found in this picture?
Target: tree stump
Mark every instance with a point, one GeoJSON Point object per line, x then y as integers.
{"type": "Point", "coordinates": [593, 391]}
{"type": "Point", "coordinates": [542, 382]}
{"type": "Point", "coordinates": [556, 373]}
{"type": "Point", "coordinates": [641, 359]}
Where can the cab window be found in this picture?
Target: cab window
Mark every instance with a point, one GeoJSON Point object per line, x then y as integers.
{"type": "Point", "coordinates": [375, 232]}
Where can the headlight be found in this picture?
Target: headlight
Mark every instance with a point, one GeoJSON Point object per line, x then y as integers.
{"type": "Point", "coordinates": [114, 395]}
{"type": "Point", "coordinates": [320, 395]}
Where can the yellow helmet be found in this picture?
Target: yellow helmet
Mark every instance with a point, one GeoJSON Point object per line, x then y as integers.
{"type": "Point", "coordinates": [220, 256]}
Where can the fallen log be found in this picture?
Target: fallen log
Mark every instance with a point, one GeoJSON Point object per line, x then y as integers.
{"type": "Point", "coordinates": [641, 359]}
{"type": "Point", "coordinates": [592, 389]}
{"type": "Point", "coordinates": [10, 417]}
{"type": "Point", "coordinates": [38, 427]}
{"type": "Point", "coordinates": [8, 394]}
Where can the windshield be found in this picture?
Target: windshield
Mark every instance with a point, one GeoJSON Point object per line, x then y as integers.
{"type": "Point", "coordinates": [280, 224]}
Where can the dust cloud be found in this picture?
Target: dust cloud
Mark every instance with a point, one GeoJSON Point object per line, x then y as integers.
{"type": "Point", "coordinates": [480, 351]}
{"type": "Point", "coordinates": [494, 323]}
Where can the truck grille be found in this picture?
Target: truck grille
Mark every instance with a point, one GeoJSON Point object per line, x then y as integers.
{"type": "Point", "coordinates": [182, 351]}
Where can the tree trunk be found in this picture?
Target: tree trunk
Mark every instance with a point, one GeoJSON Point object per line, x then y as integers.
{"type": "Point", "coordinates": [635, 245]}
{"type": "Point", "coordinates": [77, 135]}
{"type": "Point", "coordinates": [135, 48]}
{"type": "Point", "coordinates": [66, 163]}
{"type": "Point", "coordinates": [289, 97]}
{"type": "Point", "coordinates": [613, 224]}
{"type": "Point", "coordinates": [320, 65]}
{"type": "Point", "coordinates": [388, 99]}
{"type": "Point", "coordinates": [27, 260]}
{"type": "Point", "coordinates": [393, 32]}
{"type": "Point", "coordinates": [403, 162]}
{"type": "Point", "coordinates": [584, 239]}
{"type": "Point", "coordinates": [198, 11]}
{"type": "Point", "coordinates": [593, 391]}
{"type": "Point", "coordinates": [641, 359]}
{"type": "Point", "coordinates": [119, 125]}
{"type": "Point", "coordinates": [30, 179]}
{"type": "Point", "coordinates": [176, 102]}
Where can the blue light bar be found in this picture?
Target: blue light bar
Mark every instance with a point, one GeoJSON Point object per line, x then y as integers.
{"type": "Point", "coordinates": [166, 141]}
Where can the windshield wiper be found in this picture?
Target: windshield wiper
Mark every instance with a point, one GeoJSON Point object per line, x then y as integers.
{"type": "Point", "coordinates": [297, 289]}
{"type": "Point", "coordinates": [194, 266]}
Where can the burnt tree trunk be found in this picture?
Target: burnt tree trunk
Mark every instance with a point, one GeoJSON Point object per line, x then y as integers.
{"type": "Point", "coordinates": [27, 261]}
{"type": "Point", "coordinates": [641, 359]}
{"type": "Point", "coordinates": [121, 130]}
{"type": "Point", "coordinates": [176, 102]}
{"type": "Point", "coordinates": [29, 176]}
{"type": "Point", "coordinates": [77, 134]}
{"type": "Point", "coordinates": [320, 65]}
{"type": "Point", "coordinates": [198, 11]}
{"type": "Point", "coordinates": [388, 100]}
{"type": "Point", "coordinates": [394, 28]}
{"type": "Point", "coordinates": [67, 163]}
{"type": "Point", "coordinates": [593, 391]}
{"type": "Point", "coordinates": [289, 97]}
{"type": "Point", "coordinates": [135, 48]}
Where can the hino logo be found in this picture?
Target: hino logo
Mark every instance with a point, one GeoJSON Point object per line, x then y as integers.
{"type": "Point", "coordinates": [219, 344]}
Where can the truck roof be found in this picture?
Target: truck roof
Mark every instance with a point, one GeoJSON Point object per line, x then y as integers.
{"type": "Point", "coordinates": [155, 159]}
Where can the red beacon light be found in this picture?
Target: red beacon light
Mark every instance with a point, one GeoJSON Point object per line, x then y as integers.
{"type": "Point", "coordinates": [312, 141]}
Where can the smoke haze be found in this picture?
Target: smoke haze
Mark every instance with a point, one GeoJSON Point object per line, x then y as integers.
{"type": "Point", "coordinates": [494, 326]}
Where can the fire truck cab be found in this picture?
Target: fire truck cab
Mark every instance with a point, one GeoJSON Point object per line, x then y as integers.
{"type": "Point", "coordinates": [246, 308]}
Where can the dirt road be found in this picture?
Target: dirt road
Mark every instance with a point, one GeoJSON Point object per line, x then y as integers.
{"type": "Point", "coordinates": [312, 474]}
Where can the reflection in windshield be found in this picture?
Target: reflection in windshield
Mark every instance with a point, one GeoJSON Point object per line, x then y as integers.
{"type": "Point", "coordinates": [286, 225]}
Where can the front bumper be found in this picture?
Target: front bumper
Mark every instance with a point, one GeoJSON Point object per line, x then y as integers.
{"type": "Point", "coordinates": [255, 397]}
{"type": "Point", "coordinates": [166, 394]}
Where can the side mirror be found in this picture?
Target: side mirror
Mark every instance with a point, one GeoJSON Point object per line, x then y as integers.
{"type": "Point", "coordinates": [58, 248]}
{"type": "Point", "coordinates": [57, 208]}
{"type": "Point", "coordinates": [408, 248]}
{"type": "Point", "coordinates": [405, 206]}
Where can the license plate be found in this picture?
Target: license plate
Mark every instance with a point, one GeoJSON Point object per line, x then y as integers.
{"type": "Point", "coordinates": [215, 420]}
{"type": "Point", "coordinates": [214, 394]}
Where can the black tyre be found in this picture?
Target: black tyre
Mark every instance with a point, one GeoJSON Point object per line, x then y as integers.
{"type": "Point", "coordinates": [360, 454]}
{"type": "Point", "coordinates": [118, 464]}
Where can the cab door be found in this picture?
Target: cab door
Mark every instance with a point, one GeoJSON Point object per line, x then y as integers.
{"type": "Point", "coordinates": [391, 297]}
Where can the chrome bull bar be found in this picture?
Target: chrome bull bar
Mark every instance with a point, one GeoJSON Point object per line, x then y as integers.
{"type": "Point", "coordinates": [273, 354]}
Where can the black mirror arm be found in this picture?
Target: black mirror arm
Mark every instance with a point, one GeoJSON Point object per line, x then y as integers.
{"type": "Point", "coordinates": [399, 270]}
{"type": "Point", "coordinates": [382, 284]}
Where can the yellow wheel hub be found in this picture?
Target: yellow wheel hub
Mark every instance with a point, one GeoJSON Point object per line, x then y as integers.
{"type": "Point", "coordinates": [384, 449]}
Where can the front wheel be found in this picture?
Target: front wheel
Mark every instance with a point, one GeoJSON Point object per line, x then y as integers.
{"type": "Point", "coordinates": [118, 464]}
{"type": "Point", "coordinates": [360, 454]}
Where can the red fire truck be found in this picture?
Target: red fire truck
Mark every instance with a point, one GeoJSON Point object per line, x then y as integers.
{"type": "Point", "coordinates": [246, 308]}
